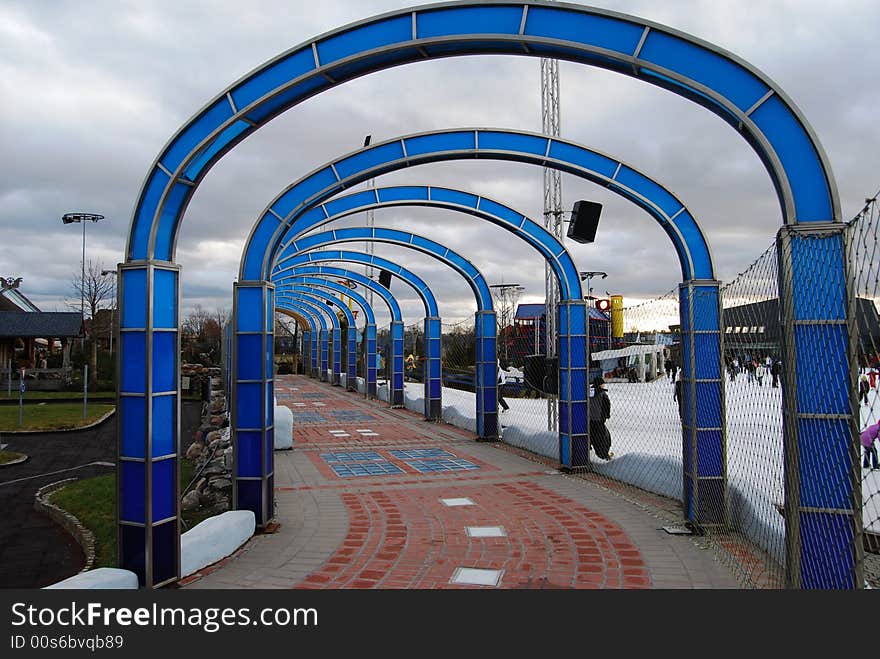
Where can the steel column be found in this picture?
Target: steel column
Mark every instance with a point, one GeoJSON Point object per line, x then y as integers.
{"type": "Point", "coordinates": [573, 392]}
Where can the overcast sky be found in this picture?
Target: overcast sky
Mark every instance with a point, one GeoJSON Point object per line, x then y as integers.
{"type": "Point", "coordinates": [93, 90]}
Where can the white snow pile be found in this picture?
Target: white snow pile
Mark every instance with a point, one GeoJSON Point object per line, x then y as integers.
{"type": "Point", "coordinates": [283, 431]}
{"type": "Point", "coordinates": [215, 538]}
{"type": "Point", "coordinates": [102, 578]}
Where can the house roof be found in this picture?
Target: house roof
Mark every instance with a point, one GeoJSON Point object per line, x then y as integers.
{"type": "Point", "coordinates": [12, 299]}
{"type": "Point", "coordinates": [45, 324]}
{"type": "Point", "coordinates": [527, 311]}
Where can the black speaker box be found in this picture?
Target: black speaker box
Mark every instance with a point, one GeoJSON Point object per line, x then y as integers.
{"type": "Point", "coordinates": [584, 221]}
{"type": "Point", "coordinates": [385, 278]}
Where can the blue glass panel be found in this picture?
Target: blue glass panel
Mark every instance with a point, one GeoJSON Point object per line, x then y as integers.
{"type": "Point", "coordinates": [164, 361]}
{"type": "Point", "coordinates": [578, 353]}
{"type": "Point", "coordinates": [133, 427]}
{"type": "Point", "coordinates": [684, 309]}
{"type": "Point", "coordinates": [250, 357]}
{"type": "Point", "coordinates": [802, 166]}
{"type": "Point", "coordinates": [133, 362]}
{"type": "Point", "coordinates": [270, 310]}
{"type": "Point", "coordinates": [273, 76]}
{"type": "Point", "coordinates": [171, 210]}
{"type": "Point", "coordinates": [369, 158]}
{"type": "Point", "coordinates": [608, 33]}
{"type": "Point", "coordinates": [583, 158]}
{"type": "Point", "coordinates": [367, 37]}
{"type": "Point", "coordinates": [454, 196]}
{"type": "Point", "coordinates": [270, 404]}
{"type": "Point", "coordinates": [133, 551]}
{"type": "Point", "coordinates": [709, 69]}
{"type": "Point", "coordinates": [164, 479]}
{"type": "Point", "coordinates": [437, 143]}
{"type": "Point", "coordinates": [307, 220]}
{"type": "Point", "coordinates": [687, 91]}
{"type": "Point", "coordinates": [305, 189]}
{"type": "Point", "coordinates": [648, 189]}
{"type": "Point", "coordinates": [822, 384]}
{"type": "Point", "coordinates": [164, 425]}
{"type": "Point", "coordinates": [312, 241]}
{"type": "Point", "coordinates": [696, 245]}
{"type": "Point", "coordinates": [392, 234]}
{"type": "Point", "coordinates": [250, 308]}
{"type": "Point", "coordinates": [269, 451]}
{"type": "Point", "coordinates": [487, 325]}
{"type": "Point", "coordinates": [817, 265]}
{"type": "Point", "coordinates": [166, 547]}
{"type": "Point", "coordinates": [164, 298]}
{"type": "Point", "coordinates": [134, 306]}
{"type": "Point", "coordinates": [510, 216]}
{"type": "Point", "coordinates": [375, 62]}
{"type": "Point", "coordinates": [195, 132]}
{"type": "Point", "coordinates": [708, 405]}
{"type": "Point", "coordinates": [469, 20]}
{"type": "Point", "coordinates": [514, 142]}
{"type": "Point", "coordinates": [824, 447]}
{"type": "Point", "coordinates": [146, 210]}
{"type": "Point", "coordinates": [249, 454]}
{"type": "Point", "coordinates": [709, 454]}
{"type": "Point", "coordinates": [578, 319]}
{"type": "Point", "coordinates": [250, 497]}
{"type": "Point", "coordinates": [133, 492]}
{"type": "Point", "coordinates": [285, 99]}
{"type": "Point", "coordinates": [706, 308]}
{"type": "Point", "coordinates": [226, 137]}
{"type": "Point", "coordinates": [403, 193]}
{"type": "Point", "coordinates": [342, 205]}
{"type": "Point", "coordinates": [249, 405]}
{"type": "Point", "coordinates": [258, 245]}
{"type": "Point", "coordinates": [707, 353]}
{"type": "Point", "coordinates": [827, 556]}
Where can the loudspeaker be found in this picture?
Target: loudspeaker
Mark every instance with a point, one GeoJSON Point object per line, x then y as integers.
{"type": "Point", "coordinates": [584, 221]}
{"type": "Point", "coordinates": [385, 278]}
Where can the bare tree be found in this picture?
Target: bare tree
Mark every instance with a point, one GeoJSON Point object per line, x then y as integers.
{"type": "Point", "coordinates": [95, 292]}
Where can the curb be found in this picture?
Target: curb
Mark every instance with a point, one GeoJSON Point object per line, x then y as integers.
{"type": "Point", "coordinates": [83, 537]}
{"type": "Point", "coordinates": [23, 458]}
{"type": "Point", "coordinates": [54, 431]}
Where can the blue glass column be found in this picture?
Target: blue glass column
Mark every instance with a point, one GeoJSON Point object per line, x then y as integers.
{"type": "Point", "coordinates": [351, 358]}
{"type": "Point", "coordinates": [396, 395]}
{"type": "Point", "coordinates": [573, 391]}
{"type": "Point", "coordinates": [253, 399]}
{"type": "Point", "coordinates": [486, 376]}
{"type": "Point", "coordinates": [324, 339]}
{"type": "Point", "coordinates": [336, 346]}
{"type": "Point", "coordinates": [704, 462]}
{"type": "Point", "coordinates": [823, 495]}
{"type": "Point", "coordinates": [316, 355]}
{"type": "Point", "coordinates": [433, 366]}
{"type": "Point", "coordinates": [305, 352]}
{"type": "Point", "coordinates": [148, 422]}
{"type": "Point", "coordinates": [370, 356]}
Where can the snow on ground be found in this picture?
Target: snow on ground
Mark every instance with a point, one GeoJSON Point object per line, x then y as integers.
{"type": "Point", "coordinates": [214, 538]}
{"type": "Point", "coordinates": [102, 578]}
{"type": "Point", "coordinates": [646, 441]}
{"type": "Point", "coordinates": [283, 428]}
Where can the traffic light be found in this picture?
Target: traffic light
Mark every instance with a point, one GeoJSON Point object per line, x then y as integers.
{"type": "Point", "coordinates": [603, 304]}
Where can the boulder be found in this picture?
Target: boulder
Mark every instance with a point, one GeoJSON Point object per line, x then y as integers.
{"type": "Point", "coordinates": [190, 501]}
{"type": "Point", "coordinates": [221, 484]}
{"type": "Point", "coordinates": [195, 450]}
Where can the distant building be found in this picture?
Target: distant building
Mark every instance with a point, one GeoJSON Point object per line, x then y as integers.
{"type": "Point", "coordinates": [528, 336]}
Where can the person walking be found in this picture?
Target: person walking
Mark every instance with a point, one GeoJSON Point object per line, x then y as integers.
{"type": "Point", "coordinates": [760, 372]}
{"type": "Point", "coordinates": [864, 388]}
{"type": "Point", "coordinates": [600, 412]}
{"type": "Point", "coordinates": [869, 437]}
{"type": "Point", "coordinates": [502, 379]}
{"type": "Point", "coordinates": [776, 371]}
{"type": "Point", "coordinates": [678, 395]}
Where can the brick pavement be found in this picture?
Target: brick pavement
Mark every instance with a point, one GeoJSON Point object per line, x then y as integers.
{"type": "Point", "coordinates": [360, 501]}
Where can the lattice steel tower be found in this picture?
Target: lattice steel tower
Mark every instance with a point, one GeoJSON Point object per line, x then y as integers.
{"type": "Point", "coordinates": [550, 123]}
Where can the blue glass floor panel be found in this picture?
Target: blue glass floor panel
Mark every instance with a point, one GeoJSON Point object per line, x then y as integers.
{"type": "Point", "coordinates": [430, 466]}
{"type": "Point", "coordinates": [308, 417]}
{"type": "Point", "coordinates": [422, 453]}
{"type": "Point", "coordinates": [352, 456]}
{"type": "Point", "coordinates": [366, 469]}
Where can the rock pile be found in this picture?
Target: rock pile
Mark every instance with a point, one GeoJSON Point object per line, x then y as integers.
{"type": "Point", "coordinates": [211, 449]}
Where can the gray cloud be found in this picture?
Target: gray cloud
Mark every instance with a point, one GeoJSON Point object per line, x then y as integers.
{"type": "Point", "coordinates": [94, 90]}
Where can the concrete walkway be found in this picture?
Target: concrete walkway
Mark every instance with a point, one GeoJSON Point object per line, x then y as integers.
{"type": "Point", "coordinates": [376, 498]}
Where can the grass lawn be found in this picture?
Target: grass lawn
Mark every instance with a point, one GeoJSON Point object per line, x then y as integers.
{"type": "Point", "coordinates": [91, 501]}
{"type": "Point", "coordinates": [55, 395]}
{"type": "Point", "coordinates": [54, 416]}
{"type": "Point", "coordinates": [9, 456]}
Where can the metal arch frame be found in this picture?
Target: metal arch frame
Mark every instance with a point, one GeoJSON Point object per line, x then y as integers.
{"type": "Point", "coordinates": [325, 341]}
{"type": "Point", "coordinates": [369, 319]}
{"type": "Point", "coordinates": [337, 339]}
{"type": "Point", "coordinates": [309, 329]}
{"type": "Point", "coordinates": [304, 203]}
{"type": "Point", "coordinates": [433, 384]}
{"type": "Point", "coordinates": [725, 84]}
{"type": "Point", "coordinates": [486, 366]}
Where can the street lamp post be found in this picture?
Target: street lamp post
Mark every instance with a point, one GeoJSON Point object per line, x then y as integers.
{"type": "Point", "coordinates": [82, 218]}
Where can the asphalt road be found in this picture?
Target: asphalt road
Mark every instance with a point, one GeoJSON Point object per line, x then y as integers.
{"type": "Point", "coordinates": [34, 551]}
